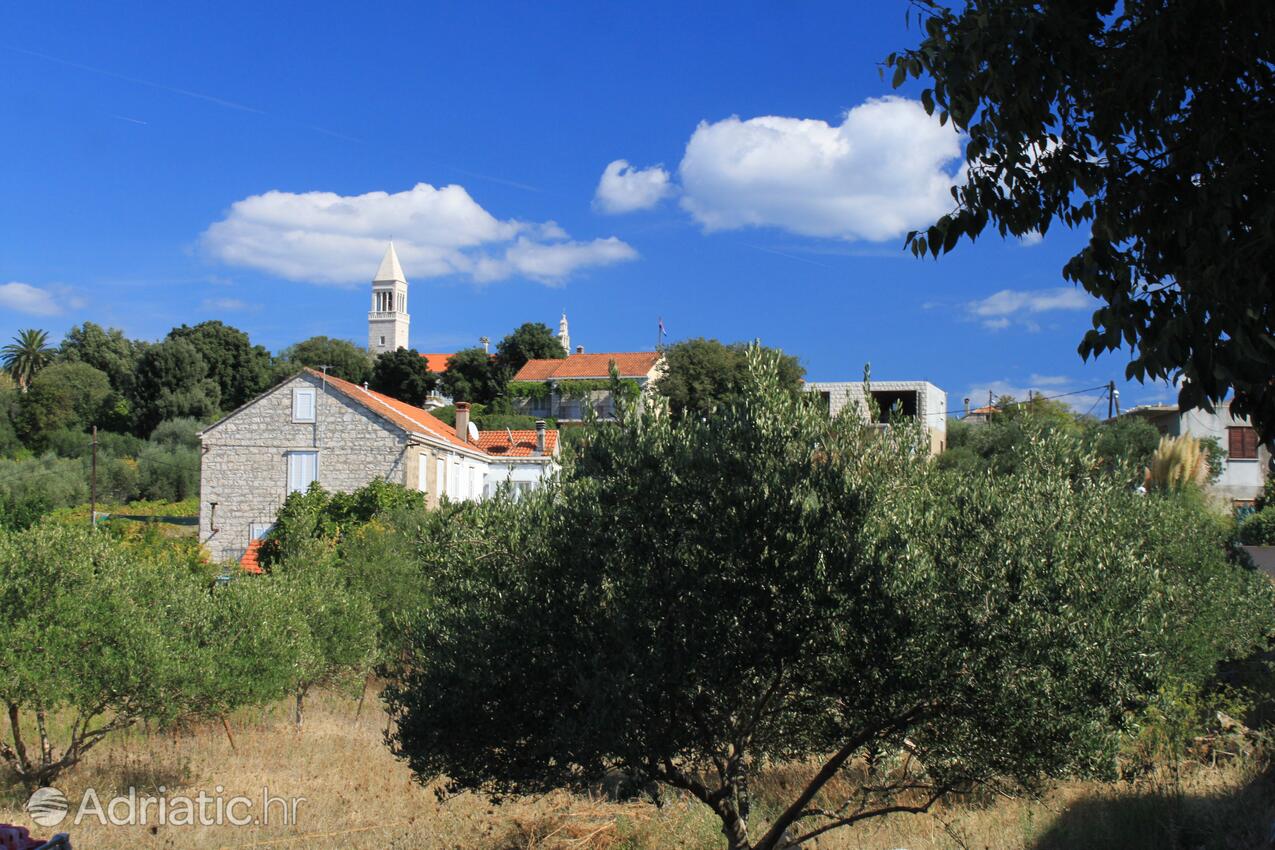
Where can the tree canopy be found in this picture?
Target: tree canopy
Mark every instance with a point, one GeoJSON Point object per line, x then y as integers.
{"type": "Point", "coordinates": [703, 374]}
{"type": "Point", "coordinates": [241, 369]}
{"type": "Point", "coordinates": [696, 599]}
{"type": "Point", "coordinates": [172, 381]}
{"type": "Point", "coordinates": [27, 354]}
{"type": "Point", "coordinates": [1152, 127]}
{"type": "Point", "coordinates": [472, 376]}
{"type": "Point", "coordinates": [66, 396]}
{"type": "Point", "coordinates": [342, 358]}
{"type": "Point", "coordinates": [529, 341]}
{"type": "Point", "coordinates": [108, 350]}
{"type": "Point", "coordinates": [403, 374]}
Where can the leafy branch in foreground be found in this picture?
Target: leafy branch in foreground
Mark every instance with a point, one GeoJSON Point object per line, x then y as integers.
{"type": "Point", "coordinates": [1151, 127]}
{"type": "Point", "coordinates": [700, 598]}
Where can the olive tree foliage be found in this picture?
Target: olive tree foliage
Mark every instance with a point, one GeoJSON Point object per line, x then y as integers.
{"type": "Point", "coordinates": [103, 636]}
{"type": "Point", "coordinates": [1151, 126]}
{"type": "Point", "coordinates": [696, 599]}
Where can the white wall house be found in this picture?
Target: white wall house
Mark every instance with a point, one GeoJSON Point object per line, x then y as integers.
{"type": "Point", "coordinates": [913, 399]}
{"type": "Point", "coordinates": [555, 378]}
{"type": "Point", "coordinates": [314, 427]}
{"type": "Point", "coordinates": [1247, 463]}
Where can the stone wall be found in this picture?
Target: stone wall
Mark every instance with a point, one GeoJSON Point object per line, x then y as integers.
{"type": "Point", "coordinates": [245, 468]}
{"type": "Point", "coordinates": [931, 402]}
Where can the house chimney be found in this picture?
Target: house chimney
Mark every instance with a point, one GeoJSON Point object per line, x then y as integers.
{"type": "Point", "coordinates": [462, 420]}
{"type": "Point", "coordinates": [579, 349]}
{"type": "Point", "coordinates": [540, 437]}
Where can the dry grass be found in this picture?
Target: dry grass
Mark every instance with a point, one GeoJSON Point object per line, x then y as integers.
{"type": "Point", "coordinates": [358, 796]}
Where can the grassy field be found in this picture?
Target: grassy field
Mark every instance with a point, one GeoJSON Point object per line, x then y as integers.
{"type": "Point", "coordinates": [358, 796]}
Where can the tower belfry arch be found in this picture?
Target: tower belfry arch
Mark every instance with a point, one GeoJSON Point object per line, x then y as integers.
{"type": "Point", "coordinates": [388, 320]}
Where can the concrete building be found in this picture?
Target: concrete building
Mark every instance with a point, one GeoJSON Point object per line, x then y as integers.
{"type": "Point", "coordinates": [388, 321]}
{"type": "Point", "coordinates": [566, 388]}
{"type": "Point", "coordinates": [314, 427]}
{"type": "Point", "coordinates": [1247, 463]}
{"type": "Point", "coordinates": [911, 399]}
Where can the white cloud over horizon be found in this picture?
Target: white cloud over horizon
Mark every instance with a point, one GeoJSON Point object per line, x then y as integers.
{"type": "Point", "coordinates": [326, 238]}
{"type": "Point", "coordinates": [623, 188]}
{"type": "Point", "coordinates": [887, 168]}
{"type": "Point", "coordinates": [32, 300]}
{"type": "Point", "coordinates": [1009, 306]}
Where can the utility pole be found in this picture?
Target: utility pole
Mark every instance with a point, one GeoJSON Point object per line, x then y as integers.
{"type": "Point", "coordinates": [93, 484]}
{"type": "Point", "coordinates": [1111, 398]}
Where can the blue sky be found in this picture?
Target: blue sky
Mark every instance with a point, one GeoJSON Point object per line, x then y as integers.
{"type": "Point", "coordinates": [246, 162]}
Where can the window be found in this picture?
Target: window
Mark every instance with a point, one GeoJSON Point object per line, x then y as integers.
{"type": "Point", "coordinates": [382, 342]}
{"type": "Point", "coordinates": [258, 530]}
{"type": "Point", "coordinates": [1242, 443]}
{"type": "Point", "coordinates": [303, 404]}
{"type": "Point", "coordinates": [440, 477]}
{"type": "Point", "coordinates": [303, 470]}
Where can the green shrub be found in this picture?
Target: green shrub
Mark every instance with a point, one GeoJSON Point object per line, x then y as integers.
{"type": "Point", "coordinates": [177, 433]}
{"type": "Point", "coordinates": [316, 515]}
{"type": "Point", "coordinates": [1258, 529]}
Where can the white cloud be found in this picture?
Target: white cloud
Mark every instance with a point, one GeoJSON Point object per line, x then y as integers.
{"type": "Point", "coordinates": [552, 262]}
{"type": "Point", "coordinates": [999, 310]}
{"type": "Point", "coordinates": [624, 188]}
{"type": "Point", "coordinates": [887, 168]}
{"type": "Point", "coordinates": [32, 300]}
{"type": "Point", "coordinates": [326, 238]}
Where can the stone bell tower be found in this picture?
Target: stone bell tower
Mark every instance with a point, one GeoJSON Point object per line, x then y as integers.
{"type": "Point", "coordinates": [388, 320]}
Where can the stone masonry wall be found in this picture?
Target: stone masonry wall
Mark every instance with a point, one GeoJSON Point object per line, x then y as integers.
{"type": "Point", "coordinates": [245, 468]}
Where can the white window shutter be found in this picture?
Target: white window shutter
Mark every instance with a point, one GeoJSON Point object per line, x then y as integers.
{"type": "Point", "coordinates": [440, 477]}
{"type": "Point", "coordinates": [303, 404]}
{"type": "Point", "coordinates": [303, 470]}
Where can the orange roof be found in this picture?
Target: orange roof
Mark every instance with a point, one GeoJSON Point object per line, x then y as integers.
{"type": "Point", "coordinates": [249, 561]}
{"type": "Point", "coordinates": [400, 413]}
{"type": "Point", "coordinates": [524, 443]}
{"type": "Point", "coordinates": [415, 419]}
{"type": "Point", "coordinates": [436, 362]}
{"type": "Point", "coordinates": [631, 364]}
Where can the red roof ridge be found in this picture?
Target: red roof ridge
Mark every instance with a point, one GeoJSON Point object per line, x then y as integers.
{"type": "Point", "coordinates": [419, 419]}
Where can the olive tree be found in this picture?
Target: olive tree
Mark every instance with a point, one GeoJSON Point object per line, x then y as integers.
{"type": "Point", "coordinates": [98, 636]}
{"type": "Point", "coordinates": [339, 620]}
{"type": "Point", "coordinates": [697, 599]}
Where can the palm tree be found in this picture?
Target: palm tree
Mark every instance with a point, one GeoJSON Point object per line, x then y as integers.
{"type": "Point", "coordinates": [26, 355]}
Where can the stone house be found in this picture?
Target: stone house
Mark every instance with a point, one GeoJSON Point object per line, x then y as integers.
{"type": "Point", "coordinates": [565, 388]}
{"type": "Point", "coordinates": [314, 427]}
{"type": "Point", "coordinates": [911, 399]}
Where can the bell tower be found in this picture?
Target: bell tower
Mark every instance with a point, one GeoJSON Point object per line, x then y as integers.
{"type": "Point", "coordinates": [564, 335]}
{"type": "Point", "coordinates": [388, 320]}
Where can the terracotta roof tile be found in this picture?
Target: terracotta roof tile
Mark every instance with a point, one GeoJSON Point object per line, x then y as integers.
{"type": "Point", "coordinates": [415, 419]}
{"type": "Point", "coordinates": [436, 362]}
{"type": "Point", "coordinates": [249, 561]}
{"type": "Point", "coordinates": [631, 364]}
{"type": "Point", "coordinates": [401, 413]}
{"type": "Point", "coordinates": [496, 443]}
